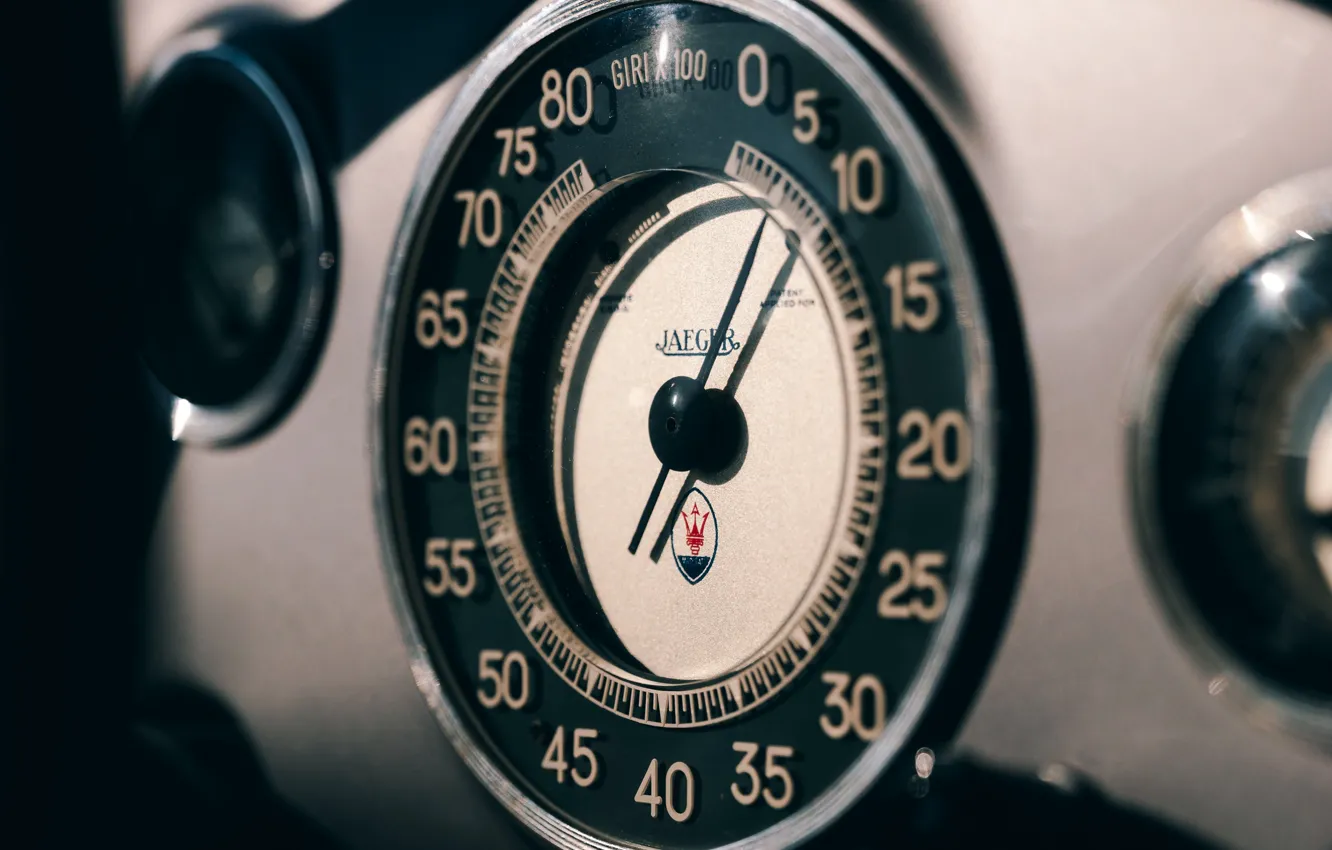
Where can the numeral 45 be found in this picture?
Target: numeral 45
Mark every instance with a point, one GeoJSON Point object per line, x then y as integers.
{"type": "Point", "coordinates": [555, 760]}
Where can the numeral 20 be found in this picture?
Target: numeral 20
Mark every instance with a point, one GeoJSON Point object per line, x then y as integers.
{"type": "Point", "coordinates": [940, 446]}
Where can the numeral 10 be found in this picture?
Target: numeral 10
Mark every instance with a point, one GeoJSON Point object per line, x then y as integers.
{"type": "Point", "coordinates": [859, 180]}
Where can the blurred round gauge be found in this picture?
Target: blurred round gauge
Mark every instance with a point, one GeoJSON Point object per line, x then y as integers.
{"type": "Point", "coordinates": [234, 236]}
{"type": "Point", "coordinates": [1233, 460]}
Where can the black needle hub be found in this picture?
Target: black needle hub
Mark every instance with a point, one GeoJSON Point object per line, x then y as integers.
{"type": "Point", "coordinates": [679, 421]}
{"type": "Point", "coordinates": [692, 428]}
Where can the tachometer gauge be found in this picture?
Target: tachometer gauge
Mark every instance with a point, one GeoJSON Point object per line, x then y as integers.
{"type": "Point", "coordinates": [687, 433]}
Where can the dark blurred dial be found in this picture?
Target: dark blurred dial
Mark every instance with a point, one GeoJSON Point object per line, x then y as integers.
{"type": "Point", "coordinates": [1243, 466]}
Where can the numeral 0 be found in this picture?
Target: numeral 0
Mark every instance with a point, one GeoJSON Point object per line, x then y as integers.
{"type": "Point", "coordinates": [753, 90]}
{"type": "Point", "coordinates": [428, 446]}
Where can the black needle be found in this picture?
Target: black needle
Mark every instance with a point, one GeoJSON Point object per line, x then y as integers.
{"type": "Point", "coordinates": [746, 354]}
{"type": "Point", "coordinates": [718, 336]}
{"type": "Point", "coordinates": [742, 362]}
{"type": "Point", "coordinates": [647, 509]}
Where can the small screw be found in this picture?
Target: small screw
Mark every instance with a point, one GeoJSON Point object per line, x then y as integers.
{"type": "Point", "coordinates": [924, 762]}
{"type": "Point", "coordinates": [326, 260]}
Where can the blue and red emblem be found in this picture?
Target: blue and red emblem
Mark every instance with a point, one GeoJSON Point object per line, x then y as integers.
{"type": "Point", "coordinates": [694, 537]}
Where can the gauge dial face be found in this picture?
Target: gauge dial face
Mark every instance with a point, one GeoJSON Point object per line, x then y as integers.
{"type": "Point", "coordinates": [684, 434]}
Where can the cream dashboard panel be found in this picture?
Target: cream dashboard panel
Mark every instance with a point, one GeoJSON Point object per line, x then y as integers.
{"type": "Point", "coordinates": [1108, 137]}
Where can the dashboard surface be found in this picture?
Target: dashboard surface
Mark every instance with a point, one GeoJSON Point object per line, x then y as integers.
{"type": "Point", "coordinates": [1107, 139]}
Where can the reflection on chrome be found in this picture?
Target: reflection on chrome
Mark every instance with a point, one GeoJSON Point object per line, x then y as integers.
{"type": "Point", "coordinates": [180, 417]}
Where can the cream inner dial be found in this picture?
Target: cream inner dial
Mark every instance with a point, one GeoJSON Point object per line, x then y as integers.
{"type": "Point", "coordinates": [771, 522]}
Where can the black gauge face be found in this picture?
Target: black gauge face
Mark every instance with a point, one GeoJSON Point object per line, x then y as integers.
{"type": "Point", "coordinates": [685, 428]}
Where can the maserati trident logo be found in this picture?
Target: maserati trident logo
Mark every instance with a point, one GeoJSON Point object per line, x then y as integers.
{"type": "Point", "coordinates": [694, 537]}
